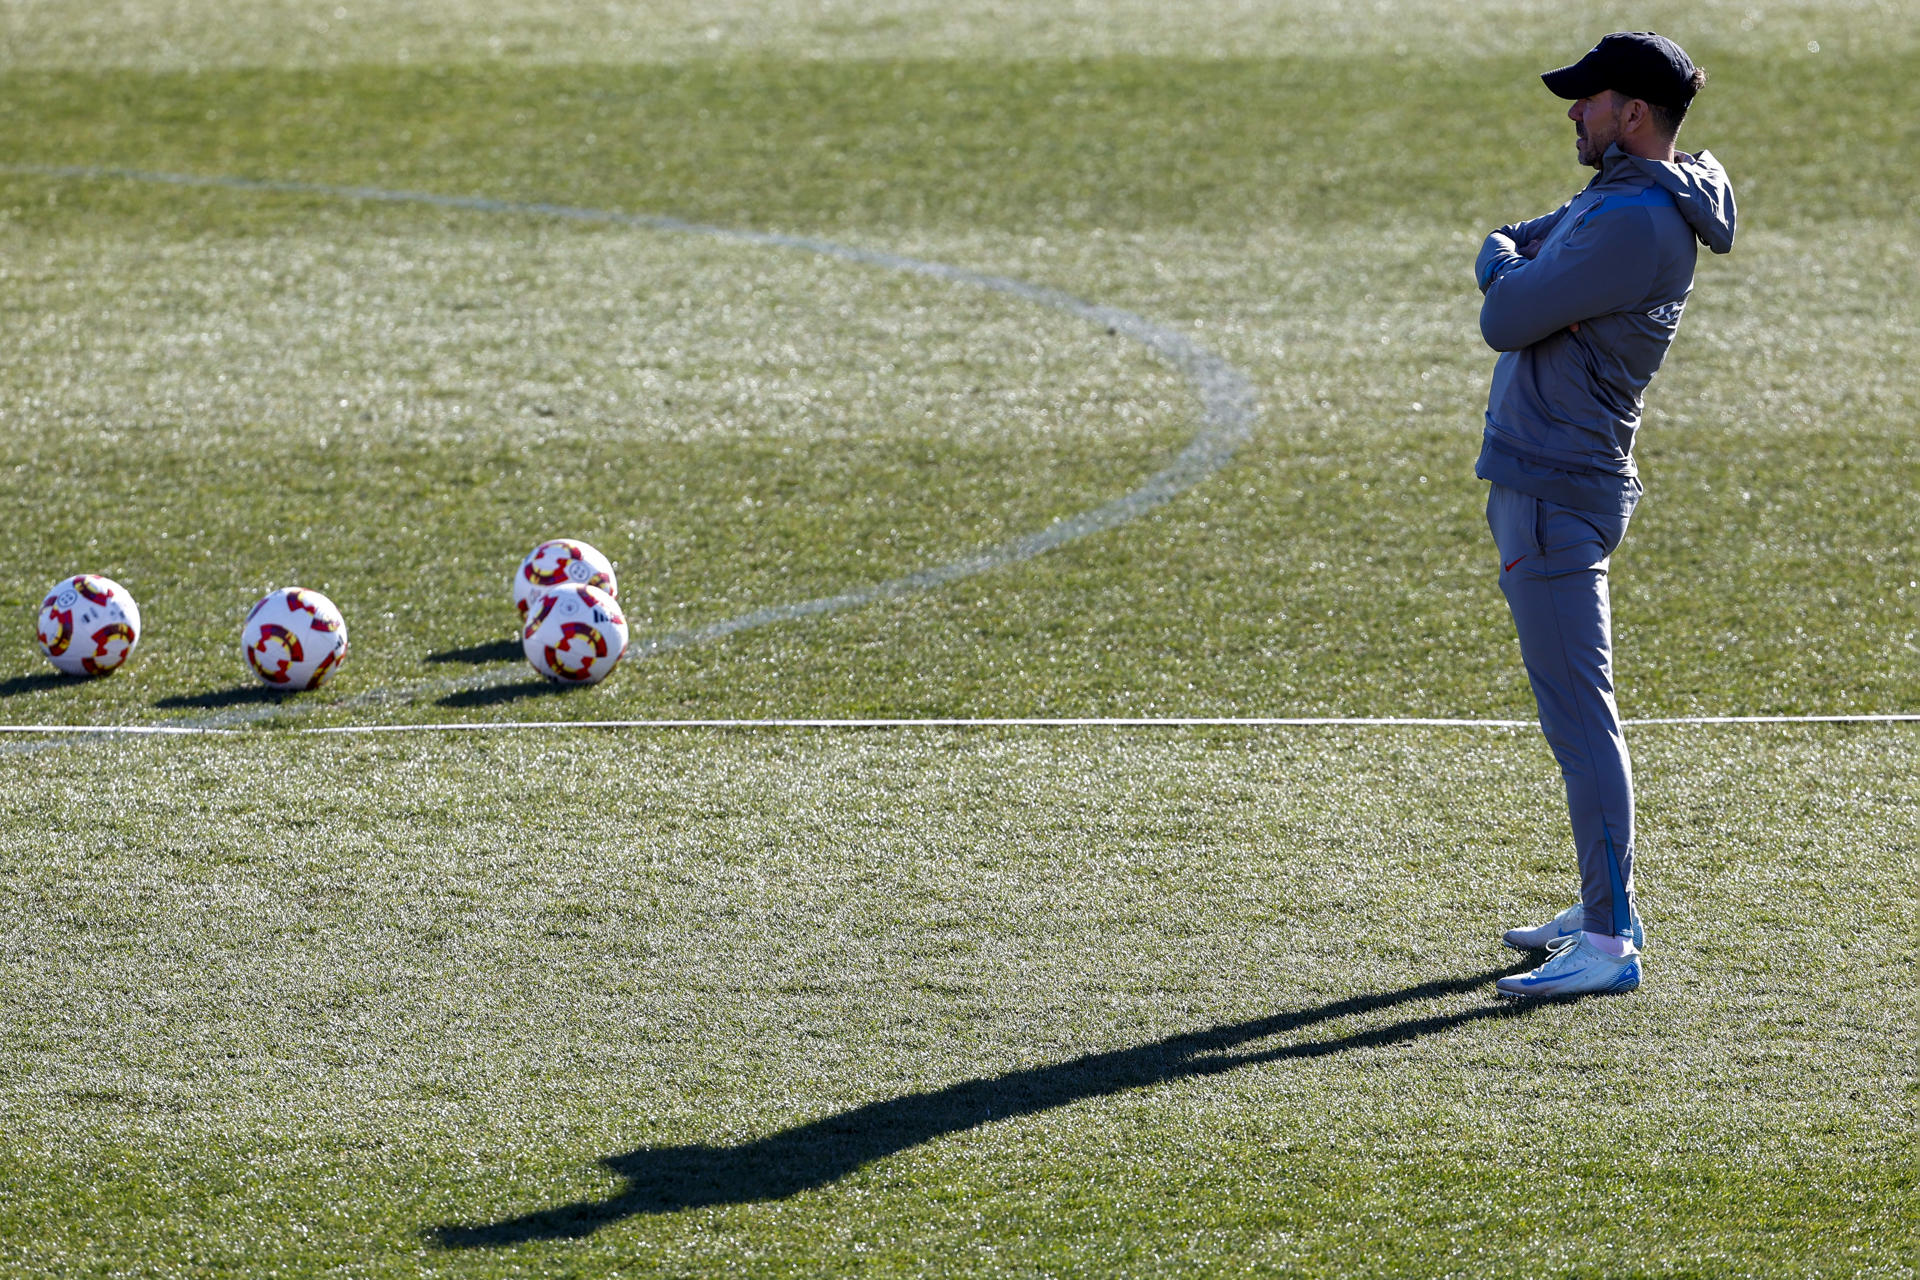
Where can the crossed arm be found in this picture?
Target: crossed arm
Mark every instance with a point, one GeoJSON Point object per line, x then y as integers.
{"type": "Point", "coordinates": [1600, 265]}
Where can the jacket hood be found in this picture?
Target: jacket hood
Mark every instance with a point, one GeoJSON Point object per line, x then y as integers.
{"type": "Point", "coordinates": [1701, 191]}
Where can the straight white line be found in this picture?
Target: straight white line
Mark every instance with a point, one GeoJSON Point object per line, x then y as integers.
{"type": "Point", "coordinates": [1860, 719]}
{"type": "Point", "coordinates": [955, 722]}
{"type": "Point", "coordinates": [984, 722]}
{"type": "Point", "coordinates": [117, 730]}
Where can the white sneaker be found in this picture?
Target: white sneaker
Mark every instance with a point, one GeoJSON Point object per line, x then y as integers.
{"type": "Point", "coordinates": [1575, 968]}
{"type": "Point", "coordinates": [1567, 924]}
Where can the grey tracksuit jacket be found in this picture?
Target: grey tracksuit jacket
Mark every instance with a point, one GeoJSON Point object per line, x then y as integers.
{"type": "Point", "coordinates": [1617, 260]}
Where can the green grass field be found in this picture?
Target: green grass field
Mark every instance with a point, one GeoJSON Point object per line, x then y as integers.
{"type": "Point", "coordinates": [595, 1002]}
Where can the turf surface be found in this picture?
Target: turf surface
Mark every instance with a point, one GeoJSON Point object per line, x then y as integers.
{"type": "Point", "coordinates": [254, 384]}
{"type": "Point", "coordinates": [1058, 1003]}
{"type": "Point", "coordinates": [1065, 1002]}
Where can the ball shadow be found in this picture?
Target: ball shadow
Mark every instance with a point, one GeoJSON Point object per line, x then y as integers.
{"type": "Point", "coordinates": [238, 696]}
{"type": "Point", "coordinates": [496, 695]}
{"type": "Point", "coordinates": [481, 654]}
{"type": "Point", "coordinates": [37, 681]}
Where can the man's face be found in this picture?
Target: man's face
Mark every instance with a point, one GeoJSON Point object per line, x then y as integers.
{"type": "Point", "coordinates": [1596, 125]}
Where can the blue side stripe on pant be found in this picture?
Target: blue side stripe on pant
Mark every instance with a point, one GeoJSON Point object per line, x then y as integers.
{"type": "Point", "coordinates": [1622, 914]}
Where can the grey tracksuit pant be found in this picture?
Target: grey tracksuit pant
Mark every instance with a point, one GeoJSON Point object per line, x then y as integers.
{"type": "Point", "coordinates": [1553, 571]}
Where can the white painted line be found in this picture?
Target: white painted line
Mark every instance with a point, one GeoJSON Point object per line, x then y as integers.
{"type": "Point", "coordinates": [118, 730]}
{"type": "Point", "coordinates": [1696, 720]}
{"type": "Point", "coordinates": [956, 722]}
{"type": "Point", "coordinates": [984, 722]}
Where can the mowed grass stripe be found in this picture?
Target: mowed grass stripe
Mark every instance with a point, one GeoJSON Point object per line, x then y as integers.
{"type": "Point", "coordinates": [893, 1004]}
{"type": "Point", "coordinates": [1327, 575]}
{"type": "Point", "coordinates": [928, 386]}
{"type": "Point", "coordinates": [1226, 399]}
{"type": "Point", "coordinates": [1119, 143]}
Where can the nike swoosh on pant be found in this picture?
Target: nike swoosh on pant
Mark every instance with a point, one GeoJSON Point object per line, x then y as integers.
{"type": "Point", "coordinates": [1508, 568]}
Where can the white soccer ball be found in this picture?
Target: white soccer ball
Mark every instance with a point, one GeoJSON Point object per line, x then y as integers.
{"type": "Point", "coordinates": [88, 625]}
{"type": "Point", "coordinates": [294, 638]}
{"type": "Point", "coordinates": [560, 562]}
{"type": "Point", "coordinates": [575, 635]}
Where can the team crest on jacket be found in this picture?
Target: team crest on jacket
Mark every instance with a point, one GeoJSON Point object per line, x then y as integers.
{"type": "Point", "coordinates": [1668, 314]}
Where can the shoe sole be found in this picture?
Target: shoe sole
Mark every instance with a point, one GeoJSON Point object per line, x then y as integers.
{"type": "Point", "coordinates": [1521, 997]}
{"type": "Point", "coordinates": [1617, 989]}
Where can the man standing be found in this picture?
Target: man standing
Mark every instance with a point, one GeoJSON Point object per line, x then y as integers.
{"type": "Point", "coordinates": [1582, 305]}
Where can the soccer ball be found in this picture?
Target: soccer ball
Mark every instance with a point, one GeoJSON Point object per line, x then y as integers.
{"type": "Point", "coordinates": [560, 562]}
{"type": "Point", "coordinates": [294, 638]}
{"type": "Point", "coordinates": [575, 635]}
{"type": "Point", "coordinates": [88, 625]}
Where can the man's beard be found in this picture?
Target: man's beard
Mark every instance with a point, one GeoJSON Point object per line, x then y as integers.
{"type": "Point", "coordinates": [1591, 153]}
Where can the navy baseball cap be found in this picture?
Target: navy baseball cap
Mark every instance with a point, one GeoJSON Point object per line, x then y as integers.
{"type": "Point", "coordinates": [1639, 64]}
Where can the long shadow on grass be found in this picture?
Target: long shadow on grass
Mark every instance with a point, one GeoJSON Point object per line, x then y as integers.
{"type": "Point", "coordinates": [669, 1179]}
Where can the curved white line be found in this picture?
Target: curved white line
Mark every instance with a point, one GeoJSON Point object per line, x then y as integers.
{"type": "Point", "coordinates": [1228, 409]}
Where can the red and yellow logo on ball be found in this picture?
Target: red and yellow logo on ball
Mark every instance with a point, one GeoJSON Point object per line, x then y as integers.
{"type": "Point", "coordinates": [104, 657]}
{"type": "Point", "coordinates": [592, 647]}
{"type": "Point", "coordinates": [94, 589]}
{"type": "Point", "coordinates": [273, 666]}
{"type": "Point", "coordinates": [61, 620]}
